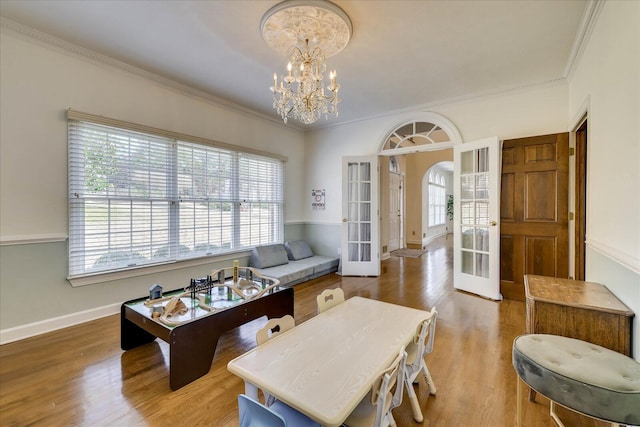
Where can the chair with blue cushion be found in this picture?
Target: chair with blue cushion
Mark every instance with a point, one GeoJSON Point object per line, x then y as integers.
{"type": "Point", "coordinates": [254, 414]}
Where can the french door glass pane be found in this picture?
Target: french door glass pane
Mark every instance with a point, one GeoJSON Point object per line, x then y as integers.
{"type": "Point", "coordinates": [365, 232]}
{"type": "Point", "coordinates": [365, 171]}
{"type": "Point", "coordinates": [482, 265]}
{"type": "Point", "coordinates": [466, 162]}
{"type": "Point", "coordinates": [467, 237]}
{"type": "Point", "coordinates": [353, 252]}
{"type": "Point", "coordinates": [466, 213]}
{"type": "Point", "coordinates": [482, 186]}
{"type": "Point", "coordinates": [365, 192]}
{"type": "Point", "coordinates": [365, 212]}
{"type": "Point", "coordinates": [466, 187]}
{"type": "Point", "coordinates": [483, 160]}
{"type": "Point", "coordinates": [353, 232]}
{"type": "Point", "coordinates": [482, 239]}
{"type": "Point", "coordinates": [467, 262]}
{"type": "Point", "coordinates": [365, 252]}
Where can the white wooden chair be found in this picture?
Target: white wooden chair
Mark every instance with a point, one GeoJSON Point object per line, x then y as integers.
{"type": "Point", "coordinates": [329, 298]}
{"type": "Point", "coordinates": [270, 330]}
{"type": "Point", "coordinates": [416, 352]}
{"type": "Point", "coordinates": [386, 394]}
{"type": "Point", "coordinates": [274, 327]}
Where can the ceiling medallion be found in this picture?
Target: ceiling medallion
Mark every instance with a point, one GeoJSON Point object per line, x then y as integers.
{"type": "Point", "coordinates": [306, 32]}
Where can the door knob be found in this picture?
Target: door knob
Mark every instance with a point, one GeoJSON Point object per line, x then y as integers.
{"type": "Point", "coordinates": [493, 223]}
{"type": "Point", "coordinates": [344, 219]}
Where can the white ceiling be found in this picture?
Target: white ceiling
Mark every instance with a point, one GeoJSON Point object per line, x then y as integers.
{"type": "Point", "coordinates": [403, 54]}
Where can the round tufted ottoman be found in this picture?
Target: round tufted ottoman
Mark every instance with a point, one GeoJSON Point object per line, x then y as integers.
{"type": "Point", "coordinates": [584, 377]}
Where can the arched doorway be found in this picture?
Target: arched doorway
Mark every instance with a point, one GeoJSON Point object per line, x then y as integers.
{"type": "Point", "coordinates": [411, 148]}
{"type": "Point", "coordinates": [437, 190]}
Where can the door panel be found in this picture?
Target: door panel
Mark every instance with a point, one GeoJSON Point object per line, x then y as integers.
{"type": "Point", "coordinates": [395, 211]}
{"type": "Point", "coordinates": [360, 216]}
{"type": "Point", "coordinates": [534, 210]}
{"type": "Point", "coordinates": [476, 256]}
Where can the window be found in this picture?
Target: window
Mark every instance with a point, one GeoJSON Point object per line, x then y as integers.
{"type": "Point", "coordinates": [138, 199]}
{"type": "Point", "coordinates": [437, 199]}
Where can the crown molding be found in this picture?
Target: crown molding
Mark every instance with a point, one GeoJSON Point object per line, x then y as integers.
{"type": "Point", "coordinates": [103, 60]}
{"type": "Point", "coordinates": [587, 24]}
{"type": "Point", "coordinates": [488, 94]}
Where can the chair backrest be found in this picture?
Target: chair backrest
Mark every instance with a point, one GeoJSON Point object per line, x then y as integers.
{"type": "Point", "coordinates": [254, 414]}
{"type": "Point", "coordinates": [427, 332]}
{"type": "Point", "coordinates": [389, 386]}
{"type": "Point", "coordinates": [274, 327]}
{"type": "Point", "coordinates": [329, 298]}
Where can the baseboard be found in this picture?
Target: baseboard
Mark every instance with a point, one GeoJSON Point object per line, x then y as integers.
{"type": "Point", "coordinates": [49, 325]}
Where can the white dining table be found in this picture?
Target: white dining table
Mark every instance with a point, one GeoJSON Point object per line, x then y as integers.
{"type": "Point", "coordinates": [325, 366]}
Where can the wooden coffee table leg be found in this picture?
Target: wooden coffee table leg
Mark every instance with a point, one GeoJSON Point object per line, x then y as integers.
{"type": "Point", "coordinates": [191, 354]}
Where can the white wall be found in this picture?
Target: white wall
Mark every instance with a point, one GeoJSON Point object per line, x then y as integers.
{"type": "Point", "coordinates": [38, 84]}
{"type": "Point", "coordinates": [537, 111]}
{"type": "Point", "coordinates": [607, 82]}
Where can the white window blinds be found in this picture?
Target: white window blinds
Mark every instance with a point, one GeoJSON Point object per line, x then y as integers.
{"type": "Point", "coordinates": [138, 199]}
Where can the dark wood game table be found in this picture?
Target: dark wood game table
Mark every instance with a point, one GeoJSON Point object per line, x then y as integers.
{"type": "Point", "coordinates": [193, 343]}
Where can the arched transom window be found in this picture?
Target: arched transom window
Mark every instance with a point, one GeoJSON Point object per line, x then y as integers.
{"type": "Point", "coordinates": [434, 132]}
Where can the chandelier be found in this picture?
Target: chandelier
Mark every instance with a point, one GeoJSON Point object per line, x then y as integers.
{"type": "Point", "coordinates": [306, 32]}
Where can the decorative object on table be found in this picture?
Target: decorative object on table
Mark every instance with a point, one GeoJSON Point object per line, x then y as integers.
{"type": "Point", "coordinates": [174, 307]}
{"type": "Point", "coordinates": [202, 297]}
{"type": "Point", "coordinates": [306, 32]}
{"type": "Point", "coordinates": [155, 291]}
{"type": "Point", "coordinates": [236, 265]}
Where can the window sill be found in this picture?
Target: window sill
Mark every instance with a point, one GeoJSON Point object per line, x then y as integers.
{"type": "Point", "coordinates": [93, 279]}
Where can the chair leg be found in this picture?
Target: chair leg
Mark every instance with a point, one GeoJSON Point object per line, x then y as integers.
{"type": "Point", "coordinates": [428, 379]}
{"type": "Point", "coordinates": [519, 386]}
{"type": "Point", "coordinates": [552, 412]}
{"type": "Point", "coordinates": [415, 405]}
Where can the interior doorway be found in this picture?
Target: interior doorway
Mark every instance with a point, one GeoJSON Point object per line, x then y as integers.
{"type": "Point", "coordinates": [406, 154]}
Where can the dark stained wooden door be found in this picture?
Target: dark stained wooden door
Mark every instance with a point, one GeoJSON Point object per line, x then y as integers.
{"type": "Point", "coordinates": [534, 228]}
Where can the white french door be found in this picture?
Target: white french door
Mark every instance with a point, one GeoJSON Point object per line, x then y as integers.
{"type": "Point", "coordinates": [360, 223]}
{"type": "Point", "coordinates": [395, 212]}
{"type": "Point", "coordinates": [476, 256]}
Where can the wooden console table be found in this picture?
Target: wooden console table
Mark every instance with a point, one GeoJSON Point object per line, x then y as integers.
{"type": "Point", "coordinates": [583, 310]}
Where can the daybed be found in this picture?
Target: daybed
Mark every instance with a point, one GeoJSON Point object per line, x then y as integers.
{"type": "Point", "coordinates": [292, 262]}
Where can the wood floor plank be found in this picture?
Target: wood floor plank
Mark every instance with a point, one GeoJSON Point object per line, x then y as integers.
{"type": "Point", "coordinates": [79, 376]}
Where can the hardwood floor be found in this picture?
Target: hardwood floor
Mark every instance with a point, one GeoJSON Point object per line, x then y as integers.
{"type": "Point", "coordinates": [79, 376]}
